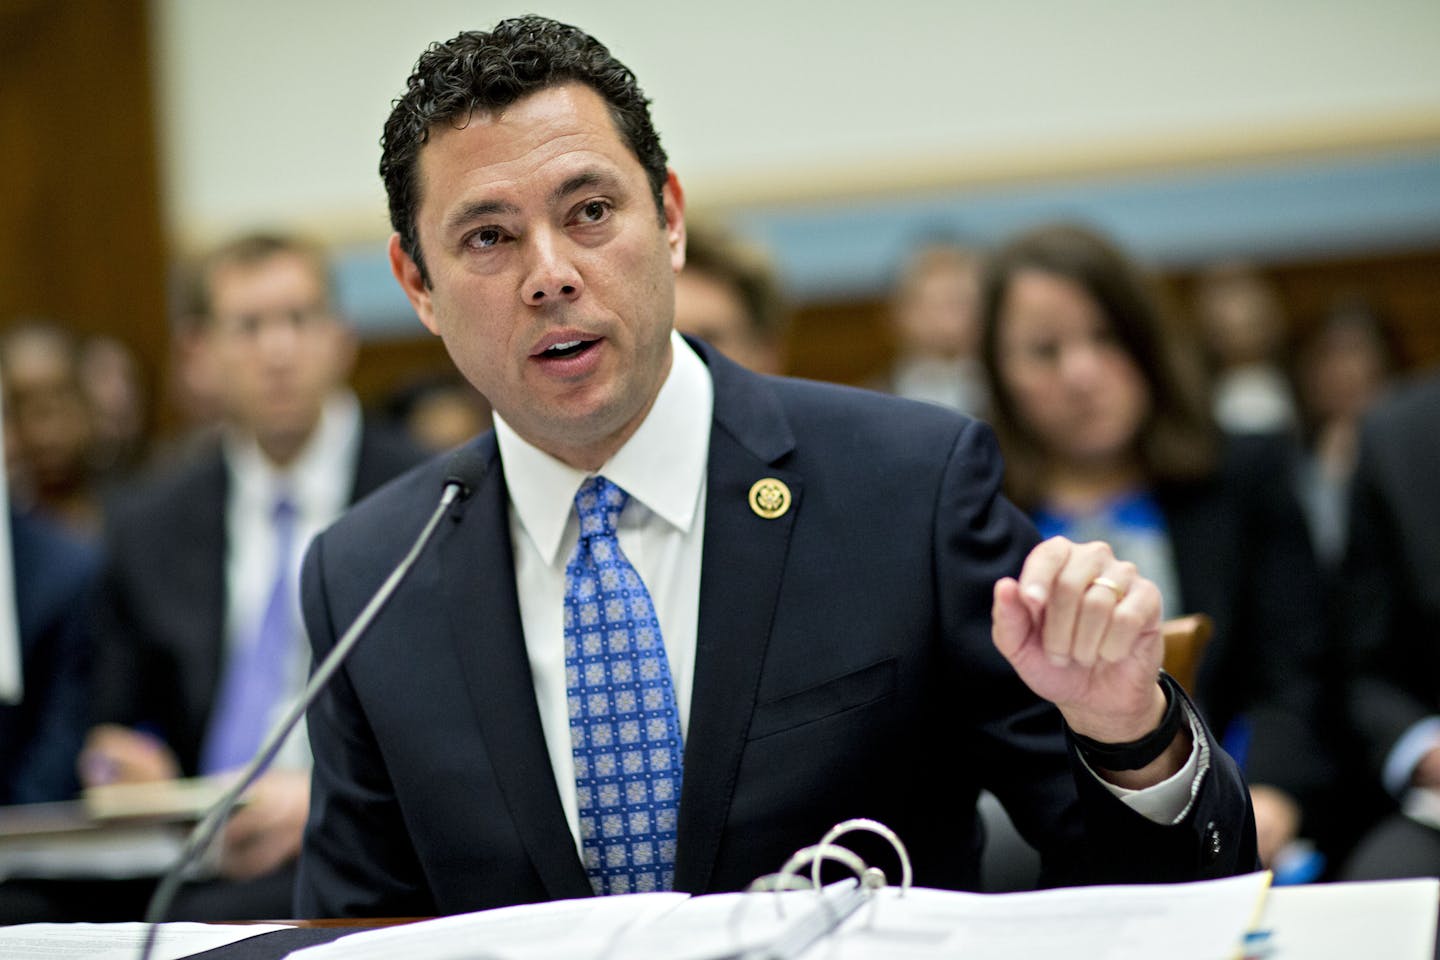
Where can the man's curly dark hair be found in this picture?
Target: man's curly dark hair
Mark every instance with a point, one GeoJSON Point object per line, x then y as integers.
{"type": "Point", "coordinates": [490, 71]}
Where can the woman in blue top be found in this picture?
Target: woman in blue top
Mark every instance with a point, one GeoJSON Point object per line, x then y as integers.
{"type": "Point", "coordinates": [1100, 410]}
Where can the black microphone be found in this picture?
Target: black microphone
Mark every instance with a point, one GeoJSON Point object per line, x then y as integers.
{"type": "Point", "coordinates": [464, 471]}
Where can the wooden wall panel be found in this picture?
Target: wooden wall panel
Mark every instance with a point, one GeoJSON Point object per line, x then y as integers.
{"type": "Point", "coordinates": [81, 240]}
{"type": "Point", "coordinates": [387, 366]}
{"type": "Point", "coordinates": [1405, 287]}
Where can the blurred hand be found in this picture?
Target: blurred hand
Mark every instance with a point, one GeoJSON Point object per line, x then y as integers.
{"type": "Point", "coordinates": [265, 833]}
{"type": "Point", "coordinates": [1091, 650]}
{"type": "Point", "coordinates": [116, 754]}
{"type": "Point", "coordinates": [1277, 820]}
{"type": "Point", "coordinates": [1427, 771]}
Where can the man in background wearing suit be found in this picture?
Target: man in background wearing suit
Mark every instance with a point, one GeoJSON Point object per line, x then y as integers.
{"type": "Point", "coordinates": [40, 734]}
{"type": "Point", "coordinates": [1390, 623]}
{"type": "Point", "coordinates": [51, 574]}
{"type": "Point", "coordinates": [44, 704]}
{"type": "Point", "coordinates": [690, 616]}
{"type": "Point", "coordinates": [199, 642]}
{"type": "Point", "coordinates": [729, 296]}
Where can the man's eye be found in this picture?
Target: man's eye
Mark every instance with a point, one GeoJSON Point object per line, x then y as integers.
{"type": "Point", "coordinates": [486, 237]}
{"type": "Point", "coordinates": [593, 211]}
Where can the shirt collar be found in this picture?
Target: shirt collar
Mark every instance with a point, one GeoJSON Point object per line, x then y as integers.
{"type": "Point", "coordinates": [662, 465]}
{"type": "Point", "coordinates": [319, 479]}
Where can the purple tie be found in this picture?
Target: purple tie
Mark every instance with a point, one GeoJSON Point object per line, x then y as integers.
{"type": "Point", "coordinates": [255, 673]}
{"type": "Point", "coordinates": [624, 726]}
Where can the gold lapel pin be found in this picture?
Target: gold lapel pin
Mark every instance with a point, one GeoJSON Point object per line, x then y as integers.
{"type": "Point", "coordinates": [769, 498]}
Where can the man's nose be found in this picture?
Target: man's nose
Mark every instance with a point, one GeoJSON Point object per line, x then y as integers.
{"type": "Point", "coordinates": [277, 337]}
{"type": "Point", "coordinates": [552, 274]}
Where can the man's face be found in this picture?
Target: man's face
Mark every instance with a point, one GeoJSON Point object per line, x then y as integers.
{"type": "Point", "coordinates": [938, 316]}
{"type": "Point", "coordinates": [275, 347]}
{"type": "Point", "coordinates": [710, 308]}
{"type": "Point", "coordinates": [49, 426]}
{"type": "Point", "coordinates": [552, 277]}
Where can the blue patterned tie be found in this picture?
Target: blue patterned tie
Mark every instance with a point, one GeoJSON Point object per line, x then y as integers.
{"type": "Point", "coordinates": [624, 727]}
{"type": "Point", "coordinates": [254, 678]}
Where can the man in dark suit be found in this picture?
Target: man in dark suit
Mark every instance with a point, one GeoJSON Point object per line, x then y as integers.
{"type": "Point", "coordinates": [43, 717]}
{"type": "Point", "coordinates": [1390, 623]}
{"type": "Point", "coordinates": [197, 645]}
{"type": "Point", "coordinates": [824, 571]}
{"type": "Point", "coordinates": [40, 734]}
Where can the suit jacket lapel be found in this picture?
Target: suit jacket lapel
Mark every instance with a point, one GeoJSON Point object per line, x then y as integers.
{"type": "Point", "coordinates": [382, 457]}
{"type": "Point", "coordinates": [742, 566]}
{"type": "Point", "coordinates": [743, 560]}
{"type": "Point", "coordinates": [484, 619]}
{"type": "Point", "coordinates": [199, 531]}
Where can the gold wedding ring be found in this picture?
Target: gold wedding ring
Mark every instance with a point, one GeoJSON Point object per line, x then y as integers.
{"type": "Point", "coordinates": [1110, 585]}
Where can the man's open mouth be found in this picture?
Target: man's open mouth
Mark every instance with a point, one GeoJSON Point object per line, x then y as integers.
{"type": "Point", "coordinates": [569, 348]}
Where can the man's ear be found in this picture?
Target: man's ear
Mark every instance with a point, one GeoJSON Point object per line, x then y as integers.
{"type": "Point", "coordinates": [673, 197]}
{"type": "Point", "coordinates": [408, 275]}
{"type": "Point", "coordinates": [195, 355]}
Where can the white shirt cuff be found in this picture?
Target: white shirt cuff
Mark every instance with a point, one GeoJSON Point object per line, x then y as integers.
{"type": "Point", "coordinates": [1405, 756]}
{"type": "Point", "coordinates": [1169, 801]}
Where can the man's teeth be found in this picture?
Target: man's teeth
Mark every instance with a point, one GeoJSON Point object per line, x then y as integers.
{"type": "Point", "coordinates": [565, 347]}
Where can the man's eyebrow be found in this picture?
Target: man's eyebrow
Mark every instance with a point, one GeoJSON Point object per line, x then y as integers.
{"type": "Point", "coordinates": [581, 181]}
{"type": "Point", "coordinates": [478, 210]}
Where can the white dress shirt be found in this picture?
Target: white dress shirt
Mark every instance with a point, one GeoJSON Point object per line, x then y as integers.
{"type": "Point", "coordinates": [957, 384]}
{"type": "Point", "coordinates": [661, 530]}
{"type": "Point", "coordinates": [1400, 763]}
{"type": "Point", "coordinates": [319, 483]}
{"type": "Point", "coordinates": [1254, 399]}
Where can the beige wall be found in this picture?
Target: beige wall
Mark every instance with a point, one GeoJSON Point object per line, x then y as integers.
{"type": "Point", "coordinates": [270, 109]}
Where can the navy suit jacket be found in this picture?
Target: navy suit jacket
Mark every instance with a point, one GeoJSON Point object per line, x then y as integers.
{"type": "Point", "coordinates": [1243, 556]}
{"type": "Point", "coordinates": [843, 668]}
{"type": "Point", "coordinates": [40, 736]}
{"type": "Point", "coordinates": [1390, 593]}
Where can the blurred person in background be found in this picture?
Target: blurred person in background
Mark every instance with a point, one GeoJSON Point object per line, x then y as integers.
{"type": "Point", "coordinates": [191, 388]}
{"type": "Point", "coordinates": [439, 412]}
{"type": "Point", "coordinates": [42, 721]}
{"type": "Point", "coordinates": [1389, 618]}
{"type": "Point", "coordinates": [40, 736]}
{"type": "Point", "coordinates": [933, 317]}
{"type": "Point", "coordinates": [1245, 330]}
{"type": "Point", "coordinates": [49, 426]}
{"type": "Point", "coordinates": [1342, 368]}
{"type": "Point", "coordinates": [199, 642]}
{"type": "Point", "coordinates": [1106, 436]}
{"type": "Point", "coordinates": [728, 296]}
{"type": "Point", "coordinates": [110, 379]}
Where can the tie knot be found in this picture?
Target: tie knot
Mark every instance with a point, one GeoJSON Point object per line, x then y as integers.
{"type": "Point", "coordinates": [599, 503]}
{"type": "Point", "coordinates": [283, 513]}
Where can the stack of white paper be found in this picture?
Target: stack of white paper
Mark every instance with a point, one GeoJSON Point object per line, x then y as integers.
{"type": "Point", "coordinates": [119, 941]}
{"type": "Point", "coordinates": [1195, 921]}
